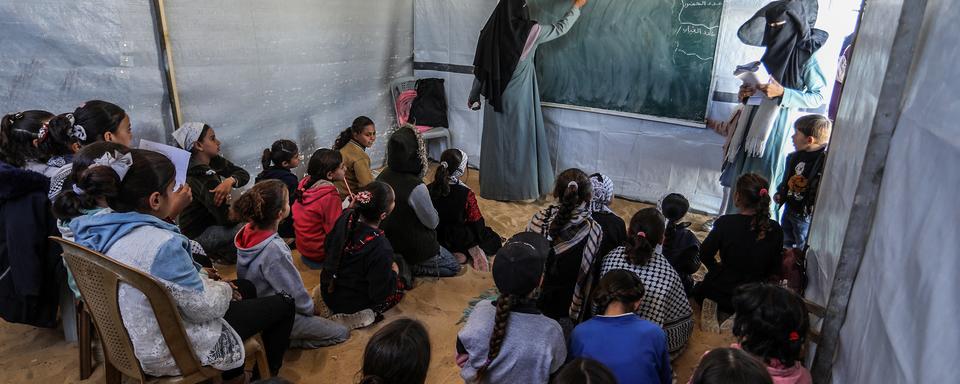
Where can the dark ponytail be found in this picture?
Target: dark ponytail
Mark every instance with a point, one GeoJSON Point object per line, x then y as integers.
{"type": "Point", "coordinates": [261, 204]}
{"type": "Point", "coordinates": [151, 172]}
{"type": "Point", "coordinates": [354, 129]}
{"type": "Point", "coordinates": [449, 161]}
{"type": "Point", "coordinates": [280, 151]}
{"type": "Point", "coordinates": [752, 192]}
{"type": "Point", "coordinates": [618, 285]}
{"type": "Point", "coordinates": [69, 207]}
{"type": "Point", "coordinates": [322, 162]}
{"type": "Point", "coordinates": [399, 353]}
{"type": "Point", "coordinates": [87, 124]}
{"type": "Point", "coordinates": [499, 333]}
{"type": "Point", "coordinates": [646, 230]}
{"type": "Point", "coordinates": [571, 189]}
{"type": "Point", "coordinates": [17, 133]}
{"type": "Point", "coordinates": [380, 197]}
{"type": "Point", "coordinates": [59, 136]}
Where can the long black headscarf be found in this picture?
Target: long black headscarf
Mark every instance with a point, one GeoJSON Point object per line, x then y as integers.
{"type": "Point", "coordinates": [499, 48]}
{"type": "Point", "coordinates": [786, 29]}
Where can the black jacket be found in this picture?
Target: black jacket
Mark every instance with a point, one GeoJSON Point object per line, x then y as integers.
{"type": "Point", "coordinates": [290, 180]}
{"type": "Point", "coordinates": [364, 278]}
{"type": "Point", "coordinates": [31, 269]}
{"type": "Point", "coordinates": [202, 211]}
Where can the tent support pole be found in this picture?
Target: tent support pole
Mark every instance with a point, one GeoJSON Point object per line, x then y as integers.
{"type": "Point", "coordinates": [166, 60]}
{"type": "Point", "coordinates": [857, 235]}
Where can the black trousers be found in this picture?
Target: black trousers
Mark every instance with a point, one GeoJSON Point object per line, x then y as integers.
{"type": "Point", "coordinates": [271, 317]}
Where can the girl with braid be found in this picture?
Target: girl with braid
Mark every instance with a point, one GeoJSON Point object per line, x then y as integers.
{"type": "Point", "coordinates": [508, 340]}
{"type": "Point", "coordinates": [360, 280]}
{"type": "Point", "coordinates": [749, 242]}
{"type": "Point", "coordinates": [575, 238]}
{"type": "Point", "coordinates": [634, 349]}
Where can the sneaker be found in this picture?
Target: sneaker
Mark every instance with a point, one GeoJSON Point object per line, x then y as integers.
{"type": "Point", "coordinates": [319, 306]}
{"type": "Point", "coordinates": [480, 261]}
{"type": "Point", "coordinates": [355, 320]}
{"type": "Point", "coordinates": [708, 225]}
{"type": "Point", "coordinates": [708, 317]}
{"type": "Point", "coordinates": [728, 324]}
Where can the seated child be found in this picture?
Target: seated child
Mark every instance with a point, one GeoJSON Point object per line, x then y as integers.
{"type": "Point", "coordinates": [412, 227]}
{"type": "Point", "coordinates": [138, 187]}
{"type": "Point", "coordinates": [317, 205]}
{"type": "Point", "coordinates": [264, 259]}
{"type": "Point", "coordinates": [584, 371]}
{"type": "Point", "coordinates": [462, 229]}
{"type": "Point", "coordinates": [212, 179]}
{"type": "Point", "coordinates": [30, 263]}
{"type": "Point", "coordinates": [352, 144]}
{"type": "Point", "coordinates": [798, 190]}
{"type": "Point", "coordinates": [680, 246]}
{"type": "Point", "coordinates": [22, 129]}
{"type": "Point", "coordinates": [277, 162]}
{"type": "Point", "coordinates": [359, 276]}
{"type": "Point", "coordinates": [749, 242]}
{"type": "Point", "coordinates": [665, 302]}
{"type": "Point", "coordinates": [575, 238]}
{"type": "Point", "coordinates": [495, 345]}
{"type": "Point", "coordinates": [634, 349]}
{"type": "Point", "coordinates": [730, 366]}
{"type": "Point", "coordinates": [614, 229]}
{"type": "Point", "coordinates": [92, 121]}
{"type": "Point", "coordinates": [399, 353]}
{"type": "Point", "coordinates": [771, 324]}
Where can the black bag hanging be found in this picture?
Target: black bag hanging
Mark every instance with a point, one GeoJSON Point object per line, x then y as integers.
{"type": "Point", "coordinates": [430, 106]}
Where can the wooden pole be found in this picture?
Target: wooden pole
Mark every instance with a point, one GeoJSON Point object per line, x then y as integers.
{"type": "Point", "coordinates": [857, 235]}
{"type": "Point", "coordinates": [166, 60]}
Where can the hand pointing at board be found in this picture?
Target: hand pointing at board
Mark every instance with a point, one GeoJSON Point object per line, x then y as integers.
{"type": "Point", "coordinates": [579, 3]}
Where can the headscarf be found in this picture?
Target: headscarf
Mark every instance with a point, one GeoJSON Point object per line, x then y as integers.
{"type": "Point", "coordinates": [187, 134]}
{"type": "Point", "coordinates": [406, 152]}
{"type": "Point", "coordinates": [790, 44]}
{"type": "Point", "coordinates": [499, 48]}
{"type": "Point", "coordinates": [456, 174]}
{"type": "Point", "coordinates": [602, 193]}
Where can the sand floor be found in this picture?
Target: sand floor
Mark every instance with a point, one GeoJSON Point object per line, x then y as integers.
{"type": "Point", "coordinates": [29, 354]}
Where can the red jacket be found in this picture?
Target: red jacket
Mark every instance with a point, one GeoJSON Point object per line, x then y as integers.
{"type": "Point", "coordinates": [314, 215]}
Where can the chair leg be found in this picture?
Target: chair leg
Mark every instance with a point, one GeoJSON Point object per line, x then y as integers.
{"type": "Point", "coordinates": [84, 342]}
{"type": "Point", "coordinates": [113, 375]}
{"type": "Point", "coordinates": [262, 365]}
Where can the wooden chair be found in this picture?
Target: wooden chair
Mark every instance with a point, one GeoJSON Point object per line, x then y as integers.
{"type": "Point", "coordinates": [99, 278]}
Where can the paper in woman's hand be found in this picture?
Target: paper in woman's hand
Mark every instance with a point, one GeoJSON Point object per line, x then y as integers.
{"type": "Point", "coordinates": [179, 157]}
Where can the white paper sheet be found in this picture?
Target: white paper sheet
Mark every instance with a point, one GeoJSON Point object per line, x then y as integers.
{"type": "Point", "coordinates": [179, 157]}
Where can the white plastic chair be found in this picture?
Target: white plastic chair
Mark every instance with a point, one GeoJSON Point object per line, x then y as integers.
{"type": "Point", "coordinates": [407, 83]}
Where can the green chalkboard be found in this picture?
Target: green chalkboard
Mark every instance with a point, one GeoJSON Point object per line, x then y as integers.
{"type": "Point", "coordinates": [650, 57]}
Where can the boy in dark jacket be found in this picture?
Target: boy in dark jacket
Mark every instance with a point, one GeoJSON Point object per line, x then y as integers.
{"type": "Point", "coordinates": [798, 190]}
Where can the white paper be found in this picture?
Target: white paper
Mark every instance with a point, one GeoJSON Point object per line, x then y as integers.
{"type": "Point", "coordinates": [753, 74]}
{"type": "Point", "coordinates": [179, 157]}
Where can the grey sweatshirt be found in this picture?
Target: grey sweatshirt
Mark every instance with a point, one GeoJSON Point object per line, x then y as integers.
{"type": "Point", "coordinates": [269, 266]}
{"type": "Point", "coordinates": [532, 350]}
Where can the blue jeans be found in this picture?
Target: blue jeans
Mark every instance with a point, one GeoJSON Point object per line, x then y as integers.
{"type": "Point", "coordinates": [795, 227]}
{"type": "Point", "coordinates": [444, 264]}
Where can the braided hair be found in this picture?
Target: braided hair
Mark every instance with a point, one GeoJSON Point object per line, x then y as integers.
{"type": "Point", "coordinates": [752, 192]}
{"type": "Point", "coordinates": [618, 285]}
{"type": "Point", "coordinates": [571, 189]}
{"type": "Point", "coordinates": [499, 333]}
{"type": "Point", "coordinates": [354, 129]}
{"type": "Point", "coordinates": [771, 322]}
{"type": "Point", "coordinates": [373, 200]}
{"type": "Point", "coordinates": [449, 161]}
{"type": "Point", "coordinates": [280, 151]}
{"type": "Point", "coordinates": [17, 133]}
{"type": "Point", "coordinates": [646, 230]}
{"type": "Point", "coordinates": [261, 204]}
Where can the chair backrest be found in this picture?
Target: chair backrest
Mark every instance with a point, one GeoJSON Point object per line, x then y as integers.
{"type": "Point", "coordinates": [399, 85]}
{"type": "Point", "coordinates": [98, 278]}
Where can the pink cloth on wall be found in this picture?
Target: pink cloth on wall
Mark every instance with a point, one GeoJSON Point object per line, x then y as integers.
{"type": "Point", "coordinates": [404, 102]}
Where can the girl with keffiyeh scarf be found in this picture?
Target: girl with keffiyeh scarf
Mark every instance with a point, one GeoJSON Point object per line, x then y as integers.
{"type": "Point", "coordinates": [575, 237]}
{"type": "Point", "coordinates": [462, 229]}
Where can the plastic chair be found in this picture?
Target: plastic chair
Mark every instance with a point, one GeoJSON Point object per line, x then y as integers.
{"type": "Point", "coordinates": [407, 83]}
{"type": "Point", "coordinates": [99, 278]}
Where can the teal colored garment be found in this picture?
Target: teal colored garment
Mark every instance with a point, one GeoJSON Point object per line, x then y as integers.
{"type": "Point", "coordinates": [514, 155]}
{"type": "Point", "coordinates": [774, 158]}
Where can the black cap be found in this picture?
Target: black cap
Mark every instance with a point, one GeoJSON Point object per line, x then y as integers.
{"type": "Point", "coordinates": [520, 263]}
{"type": "Point", "coordinates": [674, 206]}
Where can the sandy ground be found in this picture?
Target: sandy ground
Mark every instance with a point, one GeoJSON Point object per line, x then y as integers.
{"type": "Point", "coordinates": [29, 354]}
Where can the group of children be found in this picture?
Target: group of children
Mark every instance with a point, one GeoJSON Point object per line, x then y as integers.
{"type": "Point", "coordinates": [608, 295]}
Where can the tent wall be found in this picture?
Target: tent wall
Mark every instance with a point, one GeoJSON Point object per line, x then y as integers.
{"type": "Point", "coordinates": [646, 158]}
{"type": "Point", "coordinates": [258, 71]}
{"type": "Point", "coordinates": [899, 324]}
{"type": "Point", "coordinates": [57, 54]}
